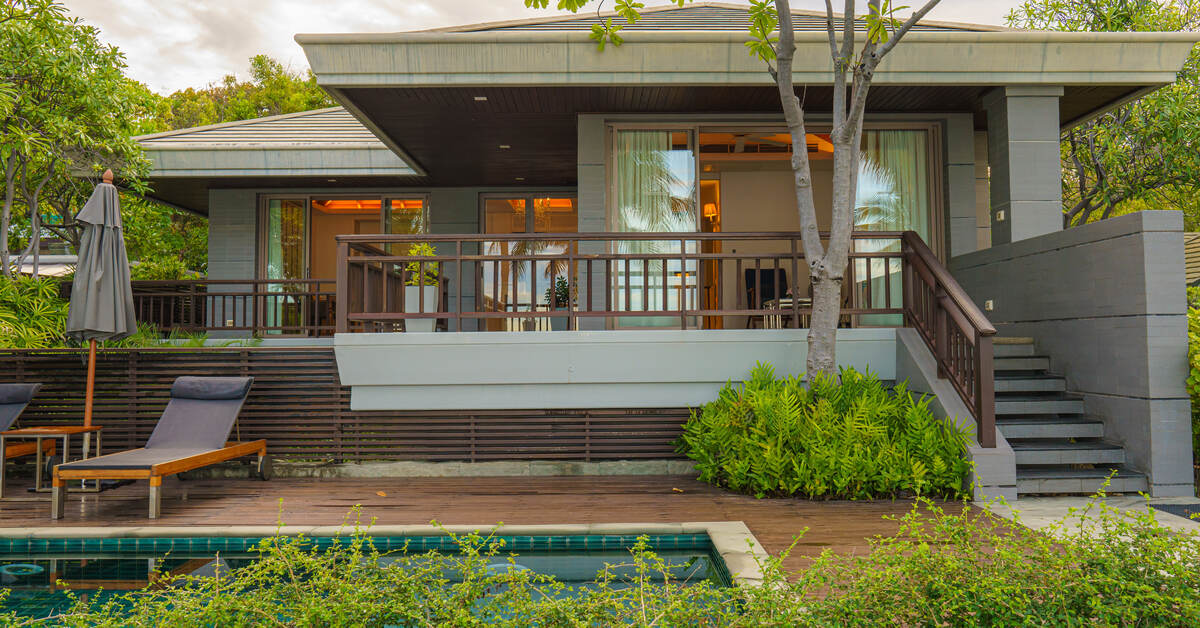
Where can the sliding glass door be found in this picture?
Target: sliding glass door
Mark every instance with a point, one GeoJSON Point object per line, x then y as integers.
{"type": "Point", "coordinates": [653, 191]}
{"type": "Point", "coordinates": [508, 285]}
{"type": "Point", "coordinates": [297, 242]}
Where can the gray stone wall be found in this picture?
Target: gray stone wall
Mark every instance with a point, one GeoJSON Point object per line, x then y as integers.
{"type": "Point", "coordinates": [1106, 302]}
{"type": "Point", "coordinates": [1026, 167]}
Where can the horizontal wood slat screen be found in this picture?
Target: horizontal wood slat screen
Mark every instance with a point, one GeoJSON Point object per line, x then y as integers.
{"type": "Point", "coordinates": [300, 407]}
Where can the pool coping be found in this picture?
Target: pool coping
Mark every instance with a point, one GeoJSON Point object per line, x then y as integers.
{"type": "Point", "coordinates": [732, 540]}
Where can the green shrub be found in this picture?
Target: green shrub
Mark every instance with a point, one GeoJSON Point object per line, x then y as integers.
{"type": "Point", "coordinates": [947, 566]}
{"type": "Point", "coordinates": [851, 439]}
{"type": "Point", "coordinates": [32, 315]}
{"type": "Point", "coordinates": [1193, 380]}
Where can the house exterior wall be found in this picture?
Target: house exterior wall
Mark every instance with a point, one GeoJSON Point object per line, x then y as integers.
{"type": "Point", "coordinates": [1026, 165]}
{"type": "Point", "coordinates": [1106, 302]}
{"type": "Point", "coordinates": [579, 369]}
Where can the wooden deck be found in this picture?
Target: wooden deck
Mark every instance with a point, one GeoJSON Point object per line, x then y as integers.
{"type": "Point", "coordinates": [841, 526]}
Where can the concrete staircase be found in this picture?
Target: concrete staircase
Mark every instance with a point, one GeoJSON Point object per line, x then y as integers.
{"type": "Point", "coordinates": [1058, 448]}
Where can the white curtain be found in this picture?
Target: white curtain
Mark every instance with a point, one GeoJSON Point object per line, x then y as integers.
{"type": "Point", "coordinates": [655, 188]}
{"type": "Point", "coordinates": [893, 195]}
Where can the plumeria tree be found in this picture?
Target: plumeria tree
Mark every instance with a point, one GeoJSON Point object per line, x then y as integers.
{"type": "Point", "coordinates": [66, 109]}
{"type": "Point", "coordinates": [854, 57]}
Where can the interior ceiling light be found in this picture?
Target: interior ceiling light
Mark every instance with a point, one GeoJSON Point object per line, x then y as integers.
{"type": "Point", "coordinates": [520, 178]}
{"type": "Point", "coordinates": [481, 99]}
{"type": "Point", "coordinates": [505, 147]}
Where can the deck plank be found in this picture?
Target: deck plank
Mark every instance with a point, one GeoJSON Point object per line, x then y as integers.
{"type": "Point", "coordinates": [837, 525]}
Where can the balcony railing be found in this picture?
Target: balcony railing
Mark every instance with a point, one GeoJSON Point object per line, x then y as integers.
{"type": "Point", "coordinates": [293, 307]}
{"type": "Point", "coordinates": [607, 280]}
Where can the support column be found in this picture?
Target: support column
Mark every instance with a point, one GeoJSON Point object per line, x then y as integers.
{"type": "Point", "coordinates": [1026, 167]}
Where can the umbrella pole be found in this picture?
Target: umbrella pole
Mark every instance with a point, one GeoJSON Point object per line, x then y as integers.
{"type": "Point", "coordinates": [87, 404]}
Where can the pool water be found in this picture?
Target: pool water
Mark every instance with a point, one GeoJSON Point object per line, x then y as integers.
{"type": "Point", "coordinates": [99, 568]}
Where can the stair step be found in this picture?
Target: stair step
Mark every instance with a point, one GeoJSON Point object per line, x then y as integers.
{"type": "Point", "coordinates": [1030, 383]}
{"type": "Point", "coordinates": [1012, 350]}
{"type": "Point", "coordinates": [1050, 426]}
{"type": "Point", "coordinates": [1023, 363]}
{"type": "Point", "coordinates": [1012, 340]}
{"type": "Point", "coordinates": [1037, 404]}
{"type": "Point", "coordinates": [1080, 481]}
{"type": "Point", "coordinates": [1062, 451]}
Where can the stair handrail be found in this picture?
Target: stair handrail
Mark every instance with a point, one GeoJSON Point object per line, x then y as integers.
{"type": "Point", "coordinates": [956, 331]}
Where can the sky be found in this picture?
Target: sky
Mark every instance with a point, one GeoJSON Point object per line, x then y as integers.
{"type": "Point", "coordinates": [172, 44]}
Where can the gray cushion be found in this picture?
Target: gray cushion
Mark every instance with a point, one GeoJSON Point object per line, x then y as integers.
{"type": "Point", "coordinates": [211, 388]}
{"type": "Point", "coordinates": [18, 393]}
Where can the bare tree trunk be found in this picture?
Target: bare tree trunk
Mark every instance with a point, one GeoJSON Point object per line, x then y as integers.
{"type": "Point", "coordinates": [10, 172]}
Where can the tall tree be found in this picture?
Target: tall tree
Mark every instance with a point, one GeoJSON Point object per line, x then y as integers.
{"type": "Point", "coordinates": [272, 89]}
{"type": "Point", "coordinates": [66, 108]}
{"type": "Point", "coordinates": [1142, 154]}
{"type": "Point", "coordinates": [854, 59]}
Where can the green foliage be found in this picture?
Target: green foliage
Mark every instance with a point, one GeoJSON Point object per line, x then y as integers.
{"type": "Point", "coordinates": [272, 89]}
{"type": "Point", "coordinates": [559, 294]}
{"type": "Point", "coordinates": [1140, 155]}
{"type": "Point", "coordinates": [32, 315]}
{"type": "Point", "coordinates": [164, 243]}
{"type": "Point", "coordinates": [412, 270]}
{"type": "Point", "coordinates": [948, 565]}
{"type": "Point", "coordinates": [852, 439]}
{"type": "Point", "coordinates": [1193, 379]}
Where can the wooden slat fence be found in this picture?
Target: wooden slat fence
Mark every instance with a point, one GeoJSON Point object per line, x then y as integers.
{"type": "Point", "coordinates": [300, 407]}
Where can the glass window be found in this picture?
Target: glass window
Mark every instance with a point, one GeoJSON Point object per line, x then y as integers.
{"type": "Point", "coordinates": [524, 285]}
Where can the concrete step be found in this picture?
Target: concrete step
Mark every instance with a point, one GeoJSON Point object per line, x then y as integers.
{"type": "Point", "coordinates": [1051, 480]}
{"type": "Point", "coordinates": [1022, 363]}
{"type": "Point", "coordinates": [1037, 404]}
{"type": "Point", "coordinates": [1006, 383]}
{"type": "Point", "coordinates": [1013, 350]}
{"type": "Point", "coordinates": [1063, 451]}
{"type": "Point", "coordinates": [1012, 340]}
{"type": "Point", "coordinates": [1050, 427]}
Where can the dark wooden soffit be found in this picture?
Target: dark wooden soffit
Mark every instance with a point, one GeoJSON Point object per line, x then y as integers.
{"type": "Point", "coordinates": [456, 138]}
{"type": "Point", "coordinates": [192, 192]}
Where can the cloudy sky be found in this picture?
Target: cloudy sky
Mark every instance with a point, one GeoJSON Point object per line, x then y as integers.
{"type": "Point", "coordinates": [171, 44]}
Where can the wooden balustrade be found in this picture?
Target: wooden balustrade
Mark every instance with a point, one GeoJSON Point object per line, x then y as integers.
{"type": "Point", "coordinates": [681, 280]}
{"type": "Point", "coordinates": [955, 330]}
{"type": "Point", "coordinates": [303, 307]}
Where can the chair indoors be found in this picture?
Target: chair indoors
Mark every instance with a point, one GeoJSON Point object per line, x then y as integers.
{"type": "Point", "coordinates": [192, 433]}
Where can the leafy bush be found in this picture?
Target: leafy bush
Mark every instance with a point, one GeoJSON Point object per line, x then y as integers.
{"type": "Point", "coordinates": [32, 315]}
{"type": "Point", "coordinates": [945, 567]}
{"type": "Point", "coordinates": [1193, 380]}
{"type": "Point", "coordinates": [413, 269]}
{"type": "Point", "coordinates": [851, 439]}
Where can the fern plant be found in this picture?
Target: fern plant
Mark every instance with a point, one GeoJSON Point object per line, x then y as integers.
{"type": "Point", "coordinates": [848, 439]}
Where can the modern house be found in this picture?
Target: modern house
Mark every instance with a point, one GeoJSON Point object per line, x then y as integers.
{"type": "Point", "coordinates": [617, 229]}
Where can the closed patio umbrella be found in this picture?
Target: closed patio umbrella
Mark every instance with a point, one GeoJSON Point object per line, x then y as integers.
{"type": "Point", "coordinates": [101, 296]}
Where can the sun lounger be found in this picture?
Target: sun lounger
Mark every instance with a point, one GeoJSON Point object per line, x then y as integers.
{"type": "Point", "coordinates": [192, 433]}
{"type": "Point", "coordinates": [13, 400]}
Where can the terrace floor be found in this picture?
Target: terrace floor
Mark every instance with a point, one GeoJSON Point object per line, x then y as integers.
{"type": "Point", "coordinates": [838, 525]}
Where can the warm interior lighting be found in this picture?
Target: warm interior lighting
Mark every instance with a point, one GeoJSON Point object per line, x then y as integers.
{"type": "Point", "coordinates": [505, 147]}
{"type": "Point", "coordinates": [710, 210]}
{"type": "Point", "coordinates": [347, 206]}
{"type": "Point", "coordinates": [481, 99]}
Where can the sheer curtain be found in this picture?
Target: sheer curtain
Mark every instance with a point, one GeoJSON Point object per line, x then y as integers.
{"type": "Point", "coordinates": [655, 189]}
{"type": "Point", "coordinates": [893, 195]}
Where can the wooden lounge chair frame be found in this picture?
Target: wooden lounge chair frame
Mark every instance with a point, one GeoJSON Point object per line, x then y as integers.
{"type": "Point", "coordinates": [191, 434]}
{"type": "Point", "coordinates": [156, 473]}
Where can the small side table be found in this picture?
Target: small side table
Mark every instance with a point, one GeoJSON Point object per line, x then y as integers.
{"type": "Point", "coordinates": [64, 432]}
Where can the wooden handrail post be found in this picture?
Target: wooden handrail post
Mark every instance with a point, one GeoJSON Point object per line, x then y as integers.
{"type": "Point", "coordinates": [342, 299]}
{"type": "Point", "coordinates": [985, 394]}
{"type": "Point", "coordinates": [942, 331]}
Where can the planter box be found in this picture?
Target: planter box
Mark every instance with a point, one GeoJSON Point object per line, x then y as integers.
{"type": "Point", "coordinates": [412, 303]}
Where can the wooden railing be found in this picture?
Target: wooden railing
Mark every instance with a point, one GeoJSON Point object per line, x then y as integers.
{"type": "Point", "coordinates": [680, 280]}
{"type": "Point", "coordinates": [956, 331]}
{"type": "Point", "coordinates": [303, 307]}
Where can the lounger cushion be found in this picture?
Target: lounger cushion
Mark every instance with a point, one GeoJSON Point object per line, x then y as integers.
{"type": "Point", "coordinates": [134, 459]}
{"type": "Point", "coordinates": [13, 399]}
{"type": "Point", "coordinates": [211, 388]}
{"type": "Point", "coordinates": [17, 393]}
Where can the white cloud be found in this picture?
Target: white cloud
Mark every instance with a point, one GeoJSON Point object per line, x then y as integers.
{"type": "Point", "coordinates": [172, 44]}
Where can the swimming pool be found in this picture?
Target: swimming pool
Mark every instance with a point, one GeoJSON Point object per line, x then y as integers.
{"type": "Point", "coordinates": [103, 567]}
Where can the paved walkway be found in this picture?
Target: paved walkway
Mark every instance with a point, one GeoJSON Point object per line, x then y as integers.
{"type": "Point", "coordinates": [1043, 512]}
